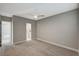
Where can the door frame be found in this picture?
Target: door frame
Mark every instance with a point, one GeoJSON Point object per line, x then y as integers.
{"type": "Point", "coordinates": [28, 32]}
{"type": "Point", "coordinates": [11, 30]}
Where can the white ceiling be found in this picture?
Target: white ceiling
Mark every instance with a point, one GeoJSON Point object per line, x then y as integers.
{"type": "Point", "coordinates": [29, 10]}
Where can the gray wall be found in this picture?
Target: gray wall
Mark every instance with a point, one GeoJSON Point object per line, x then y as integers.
{"type": "Point", "coordinates": [19, 28]}
{"type": "Point", "coordinates": [60, 29]}
{"type": "Point", "coordinates": [0, 32]}
{"type": "Point", "coordinates": [78, 29]}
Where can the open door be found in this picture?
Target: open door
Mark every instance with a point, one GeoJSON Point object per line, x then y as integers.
{"type": "Point", "coordinates": [28, 32]}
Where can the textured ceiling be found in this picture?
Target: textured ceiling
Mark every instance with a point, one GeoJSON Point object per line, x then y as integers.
{"type": "Point", "coordinates": [30, 10]}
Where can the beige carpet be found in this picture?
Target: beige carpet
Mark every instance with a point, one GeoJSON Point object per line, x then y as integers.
{"type": "Point", "coordinates": [37, 48]}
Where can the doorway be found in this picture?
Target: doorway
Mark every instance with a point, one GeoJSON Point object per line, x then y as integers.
{"type": "Point", "coordinates": [28, 32]}
{"type": "Point", "coordinates": [6, 33]}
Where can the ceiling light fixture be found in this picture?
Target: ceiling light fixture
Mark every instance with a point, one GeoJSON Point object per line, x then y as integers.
{"type": "Point", "coordinates": [38, 16]}
{"type": "Point", "coordinates": [35, 17]}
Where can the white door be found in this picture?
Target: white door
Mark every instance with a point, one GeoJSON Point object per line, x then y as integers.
{"type": "Point", "coordinates": [28, 32]}
{"type": "Point", "coordinates": [6, 33]}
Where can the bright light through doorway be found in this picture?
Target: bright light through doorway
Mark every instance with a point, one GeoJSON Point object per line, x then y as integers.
{"type": "Point", "coordinates": [28, 32]}
{"type": "Point", "coordinates": [6, 33]}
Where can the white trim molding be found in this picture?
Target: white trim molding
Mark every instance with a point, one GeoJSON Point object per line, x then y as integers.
{"type": "Point", "coordinates": [19, 42]}
{"type": "Point", "coordinates": [59, 45]}
{"type": "Point", "coordinates": [12, 30]}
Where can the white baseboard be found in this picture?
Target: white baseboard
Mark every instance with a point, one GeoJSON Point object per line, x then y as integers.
{"type": "Point", "coordinates": [19, 42]}
{"type": "Point", "coordinates": [59, 45]}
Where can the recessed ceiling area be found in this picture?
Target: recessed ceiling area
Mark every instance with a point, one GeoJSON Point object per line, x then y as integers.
{"type": "Point", "coordinates": [35, 11]}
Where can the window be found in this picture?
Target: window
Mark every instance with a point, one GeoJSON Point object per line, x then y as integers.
{"type": "Point", "coordinates": [6, 33]}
